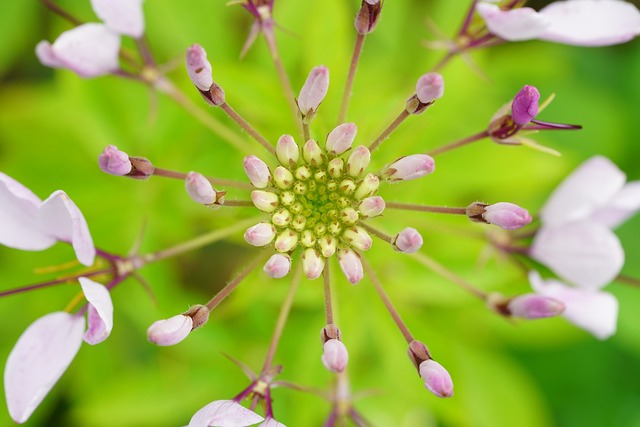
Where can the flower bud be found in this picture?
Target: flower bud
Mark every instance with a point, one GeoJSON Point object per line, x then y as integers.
{"type": "Point", "coordinates": [312, 153]}
{"type": "Point", "coordinates": [313, 92]}
{"type": "Point", "coordinates": [266, 201]}
{"type": "Point", "coordinates": [257, 171]}
{"type": "Point", "coordinates": [436, 378]}
{"type": "Point", "coordinates": [358, 238]}
{"type": "Point", "coordinates": [335, 356]}
{"type": "Point", "coordinates": [114, 161]}
{"type": "Point", "coordinates": [278, 266]}
{"type": "Point", "coordinates": [200, 189]}
{"type": "Point", "coordinates": [170, 331]}
{"type": "Point", "coordinates": [532, 306]}
{"type": "Point", "coordinates": [199, 68]}
{"type": "Point", "coordinates": [350, 265]}
{"type": "Point", "coordinates": [286, 241]}
{"type": "Point", "coordinates": [327, 245]}
{"type": "Point", "coordinates": [408, 241]}
{"type": "Point", "coordinates": [336, 168]}
{"type": "Point", "coordinates": [410, 167]}
{"type": "Point", "coordinates": [312, 263]}
{"type": "Point", "coordinates": [368, 186]}
{"type": "Point", "coordinates": [525, 105]}
{"type": "Point", "coordinates": [260, 234]}
{"type": "Point", "coordinates": [283, 178]}
{"type": "Point", "coordinates": [368, 16]}
{"type": "Point", "coordinates": [340, 139]}
{"type": "Point", "coordinates": [287, 151]}
{"type": "Point", "coordinates": [429, 87]}
{"type": "Point", "coordinates": [505, 215]}
{"type": "Point", "coordinates": [371, 207]}
{"type": "Point", "coordinates": [358, 161]}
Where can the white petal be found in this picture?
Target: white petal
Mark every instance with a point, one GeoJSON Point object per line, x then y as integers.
{"type": "Point", "coordinates": [589, 187]}
{"type": "Point", "coordinates": [19, 227]}
{"type": "Point", "coordinates": [591, 22]}
{"type": "Point", "coordinates": [224, 413]}
{"type": "Point", "coordinates": [513, 25]}
{"type": "Point", "coordinates": [100, 313]}
{"type": "Point", "coordinates": [593, 311]}
{"type": "Point", "coordinates": [60, 217]}
{"type": "Point", "coordinates": [270, 422]}
{"type": "Point", "coordinates": [46, 55]}
{"type": "Point", "coordinates": [40, 357]}
{"type": "Point", "coordinates": [121, 16]}
{"type": "Point", "coordinates": [90, 50]}
{"type": "Point", "coordinates": [620, 207]}
{"type": "Point", "coordinates": [584, 253]}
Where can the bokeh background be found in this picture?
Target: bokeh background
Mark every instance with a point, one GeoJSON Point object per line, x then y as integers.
{"type": "Point", "coordinates": [54, 124]}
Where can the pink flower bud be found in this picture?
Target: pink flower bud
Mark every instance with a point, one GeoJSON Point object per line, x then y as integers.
{"type": "Point", "coordinates": [358, 161]}
{"type": "Point", "coordinates": [532, 306]}
{"type": "Point", "coordinates": [199, 68]}
{"type": "Point", "coordinates": [436, 378]}
{"type": "Point", "coordinates": [410, 167]}
{"type": "Point", "coordinates": [286, 241]}
{"type": "Point", "coordinates": [287, 151]}
{"type": "Point", "coordinates": [170, 331]}
{"type": "Point", "coordinates": [506, 215]}
{"type": "Point", "coordinates": [260, 234]}
{"type": "Point", "coordinates": [114, 161]}
{"type": "Point", "coordinates": [266, 201]}
{"type": "Point", "coordinates": [313, 91]}
{"type": "Point", "coordinates": [430, 87]}
{"type": "Point", "coordinates": [278, 266]}
{"type": "Point", "coordinates": [335, 356]}
{"type": "Point", "coordinates": [525, 105]}
{"type": "Point", "coordinates": [350, 265]}
{"type": "Point", "coordinates": [408, 241]}
{"type": "Point", "coordinates": [257, 171]}
{"type": "Point", "coordinates": [312, 153]}
{"type": "Point", "coordinates": [200, 189]}
{"type": "Point", "coordinates": [340, 139]}
{"type": "Point", "coordinates": [371, 206]}
{"type": "Point", "coordinates": [358, 238]}
{"type": "Point", "coordinates": [368, 186]}
{"type": "Point", "coordinates": [312, 263]}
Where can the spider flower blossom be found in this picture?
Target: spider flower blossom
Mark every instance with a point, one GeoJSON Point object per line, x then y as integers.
{"type": "Point", "coordinates": [574, 22]}
{"type": "Point", "coordinates": [93, 49]}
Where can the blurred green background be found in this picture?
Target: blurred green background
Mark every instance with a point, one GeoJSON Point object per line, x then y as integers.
{"type": "Point", "coordinates": [54, 124]}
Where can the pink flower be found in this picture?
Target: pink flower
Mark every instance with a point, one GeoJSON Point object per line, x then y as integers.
{"type": "Point", "coordinates": [575, 239]}
{"type": "Point", "coordinates": [335, 355]}
{"type": "Point", "coordinates": [47, 347]}
{"type": "Point", "coordinates": [313, 91]}
{"type": "Point", "coordinates": [170, 331]}
{"type": "Point", "coordinates": [224, 413]}
{"type": "Point", "coordinates": [436, 378]}
{"type": "Point", "coordinates": [574, 22]}
{"type": "Point", "coordinates": [28, 223]}
{"type": "Point", "coordinates": [590, 309]}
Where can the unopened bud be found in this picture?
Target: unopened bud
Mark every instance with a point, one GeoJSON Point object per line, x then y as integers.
{"type": "Point", "coordinates": [430, 87]}
{"type": "Point", "coordinates": [505, 215]}
{"type": "Point", "coordinates": [368, 16]}
{"type": "Point", "coordinates": [266, 201]}
{"type": "Point", "coordinates": [312, 263]}
{"type": "Point", "coordinates": [257, 171]}
{"type": "Point", "coordinates": [313, 92]}
{"type": "Point", "coordinates": [199, 68]}
{"type": "Point", "coordinates": [408, 241]}
{"type": "Point", "coordinates": [260, 234]}
{"type": "Point", "coordinates": [350, 265]}
{"type": "Point", "coordinates": [336, 168]}
{"type": "Point", "coordinates": [358, 238]}
{"type": "Point", "coordinates": [286, 241]}
{"type": "Point", "coordinates": [170, 331]}
{"type": "Point", "coordinates": [436, 378]}
{"type": "Point", "coordinates": [278, 266]}
{"type": "Point", "coordinates": [283, 178]}
{"type": "Point", "coordinates": [358, 161]}
{"type": "Point", "coordinates": [532, 306]}
{"type": "Point", "coordinates": [287, 151]}
{"type": "Point", "coordinates": [114, 161]}
{"type": "Point", "coordinates": [327, 245]}
{"type": "Point", "coordinates": [525, 105]}
{"type": "Point", "coordinates": [312, 153]}
{"type": "Point", "coordinates": [341, 138]}
{"type": "Point", "coordinates": [368, 186]}
{"type": "Point", "coordinates": [141, 168]}
{"type": "Point", "coordinates": [201, 191]}
{"type": "Point", "coordinates": [335, 356]}
{"type": "Point", "coordinates": [371, 206]}
{"type": "Point", "coordinates": [410, 167]}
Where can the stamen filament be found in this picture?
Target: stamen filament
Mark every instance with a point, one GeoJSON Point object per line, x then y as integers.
{"type": "Point", "coordinates": [458, 144]}
{"type": "Point", "coordinates": [385, 133]}
{"type": "Point", "coordinates": [441, 270]}
{"type": "Point", "coordinates": [215, 181]}
{"type": "Point", "coordinates": [427, 208]}
{"type": "Point", "coordinates": [355, 58]}
{"type": "Point", "coordinates": [233, 114]}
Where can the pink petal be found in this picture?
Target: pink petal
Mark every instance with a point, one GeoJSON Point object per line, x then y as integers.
{"type": "Point", "coordinates": [100, 313]}
{"type": "Point", "coordinates": [591, 22]}
{"type": "Point", "coordinates": [584, 253]}
{"type": "Point", "coordinates": [121, 16]}
{"type": "Point", "coordinates": [270, 422]}
{"type": "Point", "coordinates": [19, 227]}
{"type": "Point", "coordinates": [170, 331]}
{"type": "Point", "coordinates": [620, 207]}
{"type": "Point", "coordinates": [60, 217]}
{"type": "Point", "coordinates": [224, 413]}
{"type": "Point", "coordinates": [512, 25]}
{"type": "Point", "coordinates": [593, 311]}
{"type": "Point", "coordinates": [588, 188]}
{"type": "Point", "coordinates": [40, 357]}
{"type": "Point", "coordinates": [89, 50]}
